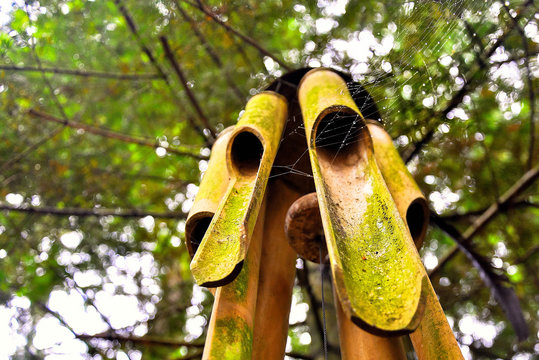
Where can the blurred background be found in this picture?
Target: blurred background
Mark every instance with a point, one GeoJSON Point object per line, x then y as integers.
{"type": "Point", "coordinates": [107, 113]}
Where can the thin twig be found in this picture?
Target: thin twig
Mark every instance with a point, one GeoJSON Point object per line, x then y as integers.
{"type": "Point", "coordinates": [112, 134]}
{"type": "Point", "coordinates": [199, 5]}
{"type": "Point", "coordinates": [8, 164]}
{"type": "Point", "coordinates": [145, 340]}
{"type": "Point", "coordinates": [209, 50]}
{"type": "Point", "coordinates": [85, 212]}
{"type": "Point", "coordinates": [496, 208]}
{"type": "Point", "coordinates": [133, 28]}
{"type": "Point", "coordinates": [89, 73]}
{"type": "Point", "coordinates": [181, 76]}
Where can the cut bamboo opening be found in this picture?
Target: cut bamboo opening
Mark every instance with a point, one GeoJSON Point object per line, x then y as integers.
{"type": "Point", "coordinates": [250, 156]}
{"type": "Point", "coordinates": [376, 268]}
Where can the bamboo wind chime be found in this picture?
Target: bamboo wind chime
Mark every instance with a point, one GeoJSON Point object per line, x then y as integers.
{"type": "Point", "coordinates": [363, 213]}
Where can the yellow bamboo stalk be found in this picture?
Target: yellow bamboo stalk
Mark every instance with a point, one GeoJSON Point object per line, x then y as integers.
{"type": "Point", "coordinates": [277, 274]}
{"type": "Point", "coordinates": [375, 265]}
{"type": "Point", "coordinates": [250, 156]}
{"type": "Point", "coordinates": [411, 203]}
{"type": "Point", "coordinates": [230, 332]}
{"type": "Point", "coordinates": [210, 192]}
{"type": "Point", "coordinates": [357, 343]}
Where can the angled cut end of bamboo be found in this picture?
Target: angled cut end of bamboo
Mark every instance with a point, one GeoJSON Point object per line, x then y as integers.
{"type": "Point", "coordinates": [250, 154]}
{"type": "Point", "coordinates": [411, 203]}
{"type": "Point", "coordinates": [376, 268]}
{"type": "Point", "coordinates": [210, 192]}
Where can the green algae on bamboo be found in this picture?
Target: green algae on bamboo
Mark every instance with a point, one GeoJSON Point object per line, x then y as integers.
{"type": "Point", "coordinates": [411, 203]}
{"type": "Point", "coordinates": [231, 328]}
{"type": "Point", "coordinates": [210, 192]}
{"type": "Point", "coordinates": [375, 265]}
{"type": "Point", "coordinates": [250, 154]}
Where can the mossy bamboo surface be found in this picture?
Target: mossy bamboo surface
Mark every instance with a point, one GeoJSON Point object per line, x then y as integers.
{"type": "Point", "coordinates": [400, 183]}
{"type": "Point", "coordinates": [230, 332]}
{"type": "Point", "coordinates": [277, 274]}
{"type": "Point", "coordinates": [375, 265]}
{"type": "Point", "coordinates": [357, 343]}
{"type": "Point", "coordinates": [226, 242]}
{"type": "Point", "coordinates": [433, 338]}
{"type": "Point", "coordinates": [211, 191]}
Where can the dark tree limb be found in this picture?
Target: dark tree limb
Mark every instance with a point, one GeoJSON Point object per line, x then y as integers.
{"type": "Point", "coordinates": [183, 79]}
{"type": "Point", "coordinates": [85, 212]}
{"type": "Point", "coordinates": [85, 74]}
{"type": "Point", "coordinates": [474, 213]}
{"type": "Point", "coordinates": [501, 205]}
{"type": "Point", "coordinates": [111, 134]}
{"type": "Point", "coordinates": [199, 5]}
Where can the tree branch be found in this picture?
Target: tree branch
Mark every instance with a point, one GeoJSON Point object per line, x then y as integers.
{"type": "Point", "coordinates": [111, 134]}
{"type": "Point", "coordinates": [209, 50]}
{"type": "Point", "coordinates": [85, 212]}
{"type": "Point", "coordinates": [479, 224]}
{"type": "Point", "coordinates": [97, 74]}
{"type": "Point", "coordinates": [144, 340]}
{"type": "Point", "coordinates": [199, 5]}
{"type": "Point", "coordinates": [133, 28]}
{"type": "Point", "coordinates": [184, 82]}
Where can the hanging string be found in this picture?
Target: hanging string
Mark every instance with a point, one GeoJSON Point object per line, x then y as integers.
{"type": "Point", "coordinates": [325, 339]}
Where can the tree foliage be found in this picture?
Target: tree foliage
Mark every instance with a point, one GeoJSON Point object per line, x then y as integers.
{"type": "Point", "coordinates": [108, 110]}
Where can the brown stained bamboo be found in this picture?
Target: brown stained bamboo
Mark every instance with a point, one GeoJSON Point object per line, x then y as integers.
{"type": "Point", "coordinates": [433, 338]}
{"type": "Point", "coordinates": [250, 156]}
{"type": "Point", "coordinates": [277, 274]}
{"type": "Point", "coordinates": [375, 265]}
{"type": "Point", "coordinates": [230, 332]}
{"type": "Point", "coordinates": [411, 203]}
{"type": "Point", "coordinates": [357, 343]}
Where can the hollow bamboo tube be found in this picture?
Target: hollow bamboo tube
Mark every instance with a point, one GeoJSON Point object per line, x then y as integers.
{"type": "Point", "coordinates": [230, 332]}
{"type": "Point", "coordinates": [250, 154]}
{"type": "Point", "coordinates": [211, 191]}
{"type": "Point", "coordinates": [277, 274]}
{"type": "Point", "coordinates": [411, 203]}
{"type": "Point", "coordinates": [433, 338]}
{"type": "Point", "coordinates": [304, 229]}
{"type": "Point", "coordinates": [357, 343]}
{"type": "Point", "coordinates": [375, 265]}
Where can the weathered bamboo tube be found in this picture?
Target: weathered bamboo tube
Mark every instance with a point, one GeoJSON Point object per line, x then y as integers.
{"type": "Point", "coordinates": [304, 225]}
{"type": "Point", "coordinates": [357, 343]}
{"type": "Point", "coordinates": [277, 274]}
{"type": "Point", "coordinates": [250, 154]}
{"type": "Point", "coordinates": [375, 265]}
{"type": "Point", "coordinates": [210, 192]}
{"type": "Point", "coordinates": [230, 332]}
{"type": "Point", "coordinates": [411, 203]}
{"type": "Point", "coordinates": [433, 338]}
